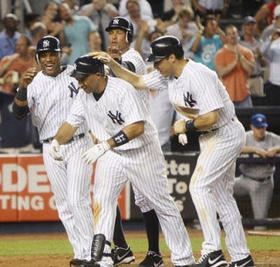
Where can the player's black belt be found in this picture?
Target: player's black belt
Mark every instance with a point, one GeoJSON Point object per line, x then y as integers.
{"type": "Point", "coordinates": [76, 137]}
{"type": "Point", "coordinates": [259, 180]}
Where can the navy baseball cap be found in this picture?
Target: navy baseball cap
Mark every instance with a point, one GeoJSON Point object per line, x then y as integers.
{"type": "Point", "coordinates": [259, 120]}
{"type": "Point", "coordinates": [85, 66]}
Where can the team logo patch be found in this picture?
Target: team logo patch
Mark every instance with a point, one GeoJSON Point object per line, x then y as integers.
{"type": "Point", "coordinates": [116, 21]}
{"type": "Point", "coordinates": [73, 89]}
{"type": "Point", "coordinates": [188, 100]}
{"type": "Point", "coordinates": [116, 118]}
{"type": "Point", "coordinates": [46, 43]}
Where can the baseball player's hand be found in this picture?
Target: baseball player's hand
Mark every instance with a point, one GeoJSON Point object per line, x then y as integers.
{"type": "Point", "coordinates": [27, 77]}
{"type": "Point", "coordinates": [102, 56]}
{"type": "Point", "coordinates": [92, 154]}
{"type": "Point", "coordinates": [183, 139]}
{"type": "Point", "coordinates": [180, 126]}
{"type": "Point", "coordinates": [54, 150]}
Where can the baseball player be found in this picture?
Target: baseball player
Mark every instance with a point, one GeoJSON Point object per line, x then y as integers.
{"type": "Point", "coordinates": [257, 179]}
{"type": "Point", "coordinates": [120, 31]}
{"type": "Point", "coordinates": [197, 94]}
{"type": "Point", "coordinates": [131, 152]}
{"type": "Point", "coordinates": [49, 95]}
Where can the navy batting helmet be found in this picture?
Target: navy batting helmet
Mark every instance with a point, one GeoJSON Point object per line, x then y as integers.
{"type": "Point", "coordinates": [48, 43]}
{"type": "Point", "coordinates": [122, 23]}
{"type": "Point", "coordinates": [85, 66]}
{"type": "Point", "coordinates": [164, 46]}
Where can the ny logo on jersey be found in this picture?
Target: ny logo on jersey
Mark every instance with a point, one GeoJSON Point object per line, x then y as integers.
{"type": "Point", "coordinates": [73, 89]}
{"type": "Point", "coordinates": [116, 118]}
{"type": "Point", "coordinates": [188, 99]}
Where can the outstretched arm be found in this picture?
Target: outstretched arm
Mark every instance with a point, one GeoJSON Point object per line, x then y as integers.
{"type": "Point", "coordinates": [134, 79]}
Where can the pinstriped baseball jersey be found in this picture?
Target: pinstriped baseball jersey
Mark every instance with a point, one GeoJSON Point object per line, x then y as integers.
{"type": "Point", "coordinates": [118, 105]}
{"type": "Point", "coordinates": [140, 161]}
{"type": "Point", "coordinates": [195, 92]}
{"type": "Point", "coordinates": [198, 91]}
{"type": "Point", "coordinates": [50, 100]}
{"type": "Point", "coordinates": [135, 58]}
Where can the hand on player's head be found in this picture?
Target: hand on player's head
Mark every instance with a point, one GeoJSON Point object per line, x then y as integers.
{"type": "Point", "coordinates": [104, 57]}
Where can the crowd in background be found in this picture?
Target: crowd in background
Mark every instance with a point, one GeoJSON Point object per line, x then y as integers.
{"type": "Point", "coordinates": [242, 46]}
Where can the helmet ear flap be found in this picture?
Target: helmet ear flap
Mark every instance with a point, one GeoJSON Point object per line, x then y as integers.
{"type": "Point", "coordinates": [126, 37]}
{"type": "Point", "coordinates": [37, 58]}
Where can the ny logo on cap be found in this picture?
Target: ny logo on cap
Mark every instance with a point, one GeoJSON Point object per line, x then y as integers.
{"type": "Point", "coordinates": [46, 43]}
{"type": "Point", "coordinates": [75, 66]}
{"type": "Point", "coordinates": [116, 21]}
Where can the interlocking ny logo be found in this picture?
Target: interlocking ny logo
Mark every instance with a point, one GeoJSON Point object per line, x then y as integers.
{"type": "Point", "coordinates": [116, 118]}
{"type": "Point", "coordinates": [73, 89]}
{"type": "Point", "coordinates": [189, 101]}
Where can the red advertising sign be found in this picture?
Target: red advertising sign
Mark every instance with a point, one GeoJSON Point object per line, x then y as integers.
{"type": "Point", "coordinates": [25, 191]}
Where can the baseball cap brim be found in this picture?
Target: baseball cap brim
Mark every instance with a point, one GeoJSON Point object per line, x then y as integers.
{"type": "Point", "coordinates": [79, 75]}
{"type": "Point", "coordinates": [153, 58]}
{"type": "Point", "coordinates": [261, 124]}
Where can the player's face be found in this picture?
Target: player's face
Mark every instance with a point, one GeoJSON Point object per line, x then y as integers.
{"type": "Point", "coordinates": [50, 63]}
{"type": "Point", "coordinates": [258, 132]}
{"type": "Point", "coordinates": [90, 83]}
{"type": "Point", "coordinates": [117, 38]}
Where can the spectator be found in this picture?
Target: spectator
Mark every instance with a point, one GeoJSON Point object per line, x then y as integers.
{"type": "Point", "coordinates": [257, 179]}
{"type": "Point", "coordinates": [265, 15]}
{"type": "Point", "coordinates": [144, 5]}
{"type": "Point", "coordinates": [13, 66]}
{"type": "Point", "coordinates": [214, 7]}
{"type": "Point", "coordinates": [271, 49]}
{"type": "Point", "coordinates": [272, 27]}
{"type": "Point", "coordinates": [171, 16]}
{"type": "Point", "coordinates": [50, 19]}
{"type": "Point", "coordinates": [101, 13]}
{"type": "Point", "coordinates": [248, 40]}
{"type": "Point", "coordinates": [143, 41]}
{"type": "Point", "coordinates": [94, 41]}
{"type": "Point", "coordinates": [76, 32]}
{"type": "Point", "coordinates": [185, 29]}
{"type": "Point", "coordinates": [234, 64]}
{"type": "Point", "coordinates": [29, 21]}
{"type": "Point", "coordinates": [9, 35]}
{"type": "Point", "coordinates": [136, 18]}
{"type": "Point", "coordinates": [207, 42]}
{"type": "Point", "coordinates": [38, 30]}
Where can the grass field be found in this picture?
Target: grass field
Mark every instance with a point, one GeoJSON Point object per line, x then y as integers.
{"type": "Point", "coordinates": [34, 248]}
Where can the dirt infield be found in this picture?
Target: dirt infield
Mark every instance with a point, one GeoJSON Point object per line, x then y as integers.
{"type": "Point", "coordinates": [262, 258]}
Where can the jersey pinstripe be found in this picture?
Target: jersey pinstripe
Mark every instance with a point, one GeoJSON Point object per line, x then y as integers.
{"type": "Point", "coordinates": [140, 161]}
{"type": "Point", "coordinates": [50, 100]}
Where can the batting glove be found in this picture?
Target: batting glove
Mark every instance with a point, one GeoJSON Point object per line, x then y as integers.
{"type": "Point", "coordinates": [92, 154]}
{"type": "Point", "coordinates": [183, 139]}
{"type": "Point", "coordinates": [54, 150]}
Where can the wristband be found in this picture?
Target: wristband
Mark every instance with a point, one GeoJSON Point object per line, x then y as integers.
{"type": "Point", "coordinates": [21, 94]}
{"type": "Point", "coordinates": [120, 138]}
{"type": "Point", "coordinates": [190, 126]}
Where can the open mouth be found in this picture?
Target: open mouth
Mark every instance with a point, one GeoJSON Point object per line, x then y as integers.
{"type": "Point", "coordinates": [49, 67]}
